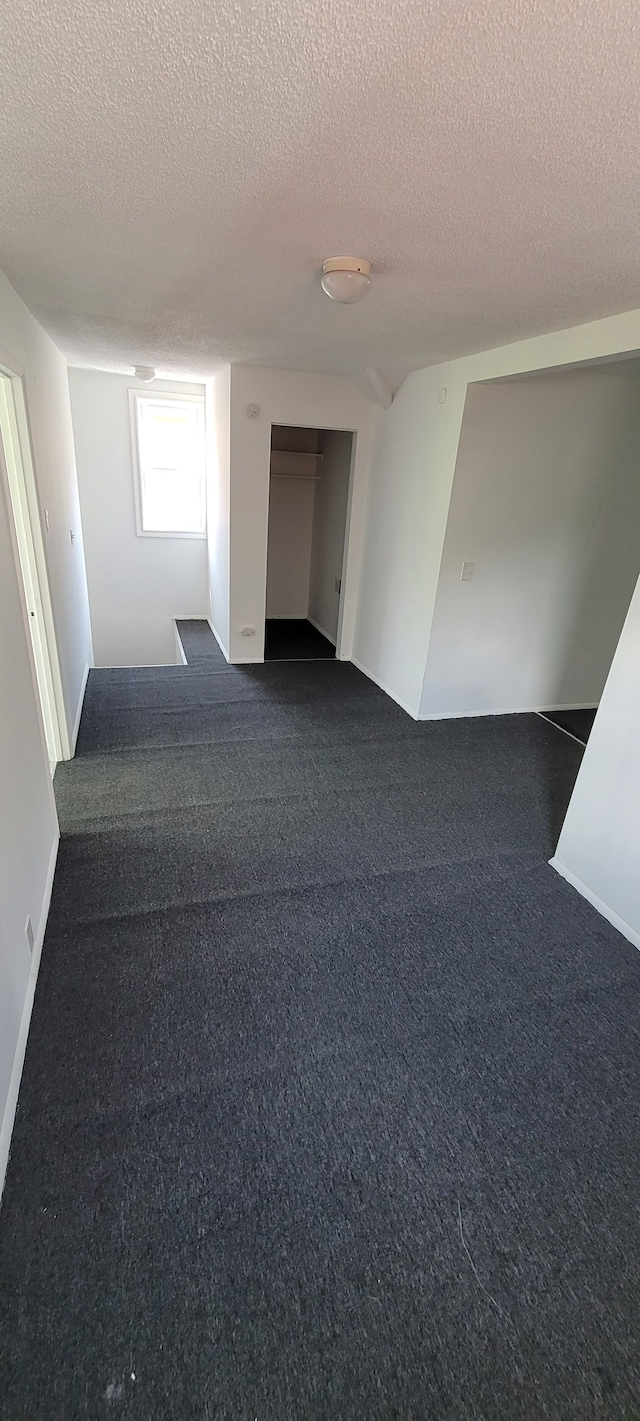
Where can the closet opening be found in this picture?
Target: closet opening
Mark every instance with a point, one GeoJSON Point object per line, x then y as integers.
{"type": "Point", "coordinates": [309, 483]}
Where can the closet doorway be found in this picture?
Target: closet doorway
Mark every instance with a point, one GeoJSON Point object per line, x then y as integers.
{"type": "Point", "coordinates": [309, 482]}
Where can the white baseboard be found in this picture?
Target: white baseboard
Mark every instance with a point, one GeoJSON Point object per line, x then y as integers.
{"type": "Point", "coordinates": [182, 660]}
{"type": "Point", "coordinates": [134, 665]}
{"type": "Point", "coordinates": [223, 649]}
{"type": "Point", "coordinates": [575, 705]}
{"type": "Point", "coordinates": [387, 689]}
{"type": "Point", "coordinates": [76, 723]}
{"type": "Point", "coordinates": [322, 631]}
{"type": "Point", "coordinates": [508, 710]}
{"type": "Point", "coordinates": [603, 908]}
{"type": "Point", "coordinates": [11, 1102]}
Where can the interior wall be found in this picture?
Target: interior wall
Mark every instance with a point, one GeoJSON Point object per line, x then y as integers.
{"type": "Point", "coordinates": [412, 469]}
{"type": "Point", "coordinates": [218, 406]}
{"type": "Point", "coordinates": [28, 824]}
{"type": "Point", "coordinates": [329, 522]}
{"type": "Point", "coordinates": [289, 546]}
{"type": "Point", "coordinates": [406, 515]}
{"type": "Point", "coordinates": [598, 847]}
{"type": "Point", "coordinates": [546, 506]}
{"type": "Point", "coordinates": [28, 351]}
{"type": "Point", "coordinates": [137, 585]}
{"type": "Point", "coordinates": [285, 397]}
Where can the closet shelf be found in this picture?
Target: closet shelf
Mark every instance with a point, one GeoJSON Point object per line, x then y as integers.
{"type": "Point", "coordinates": [298, 453]}
{"type": "Point", "coordinates": [293, 463]}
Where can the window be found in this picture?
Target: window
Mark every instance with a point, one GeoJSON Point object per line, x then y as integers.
{"type": "Point", "coordinates": [169, 452]}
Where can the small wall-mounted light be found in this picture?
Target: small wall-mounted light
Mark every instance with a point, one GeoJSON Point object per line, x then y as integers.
{"type": "Point", "coordinates": [145, 373]}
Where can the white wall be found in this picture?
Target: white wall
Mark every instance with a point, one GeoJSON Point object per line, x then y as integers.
{"type": "Point", "coordinates": [599, 847]}
{"type": "Point", "coordinates": [28, 824]}
{"type": "Point", "coordinates": [546, 504]}
{"type": "Point", "coordinates": [289, 546]}
{"type": "Point", "coordinates": [409, 491]}
{"type": "Point", "coordinates": [137, 585]}
{"type": "Point", "coordinates": [285, 397]}
{"type": "Point", "coordinates": [329, 523]}
{"type": "Point", "coordinates": [27, 351]}
{"type": "Point", "coordinates": [218, 405]}
{"type": "Point", "coordinates": [412, 471]}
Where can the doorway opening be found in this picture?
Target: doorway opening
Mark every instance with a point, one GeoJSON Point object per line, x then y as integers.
{"type": "Point", "coordinates": [16, 469]}
{"type": "Point", "coordinates": [309, 484]}
{"type": "Point", "coordinates": [542, 547]}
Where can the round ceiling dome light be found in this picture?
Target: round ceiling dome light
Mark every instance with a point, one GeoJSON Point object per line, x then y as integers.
{"type": "Point", "coordinates": [145, 373]}
{"type": "Point", "coordinates": [346, 279]}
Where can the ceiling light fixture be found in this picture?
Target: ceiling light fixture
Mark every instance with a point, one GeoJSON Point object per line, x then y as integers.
{"type": "Point", "coordinates": [346, 279]}
{"type": "Point", "coordinates": [145, 373]}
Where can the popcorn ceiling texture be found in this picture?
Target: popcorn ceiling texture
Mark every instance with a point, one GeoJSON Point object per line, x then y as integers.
{"type": "Point", "coordinates": [173, 175]}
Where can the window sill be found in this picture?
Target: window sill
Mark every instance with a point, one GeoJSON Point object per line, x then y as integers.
{"type": "Point", "coordinates": [151, 533]}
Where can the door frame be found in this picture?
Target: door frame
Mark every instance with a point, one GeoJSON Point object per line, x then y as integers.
{"type": "Point", "coordinates": [23, 505]}
{"type": "Point", "coordinates": [344, 638]}
{"type": "Point", "coordinates": [340, 634]}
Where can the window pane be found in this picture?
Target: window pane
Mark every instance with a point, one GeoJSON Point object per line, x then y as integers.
{"type": "Point", "coordinates": [171, 505]}
{"type": "Point", "coordinates": [172, 465]}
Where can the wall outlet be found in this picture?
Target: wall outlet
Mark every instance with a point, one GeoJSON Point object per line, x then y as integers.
{"type": "Point", "coordinates": [247, 631]}
{"type": "Point", "coordinates": [338, 584]}
{"type": "Point", "coordinates": [28, 927]}
{"type": "Point", "coordinates": [468, 569]}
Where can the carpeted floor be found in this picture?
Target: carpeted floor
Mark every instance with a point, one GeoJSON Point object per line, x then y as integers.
{"type": "Point", "coordinates": [330, 1105]}
{"type": "Point", "coordinates": [199, 644]}
{"type": "Point", "coordinates": [295, 639]}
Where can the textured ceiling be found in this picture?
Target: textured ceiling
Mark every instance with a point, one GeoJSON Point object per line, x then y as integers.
{"type": "Point", "coordinates": [172, 173]}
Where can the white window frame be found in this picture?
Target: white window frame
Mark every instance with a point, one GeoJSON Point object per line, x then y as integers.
{"type": "Point", "coordinates": [134, 397]}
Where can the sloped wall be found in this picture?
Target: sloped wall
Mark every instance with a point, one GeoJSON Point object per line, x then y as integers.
{"type": "Point", "coordinates": [598, 849]}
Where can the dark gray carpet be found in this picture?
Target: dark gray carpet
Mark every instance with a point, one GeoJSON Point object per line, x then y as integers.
{"type": "Point", "coordinates": [198, 642]}
{"type": "Point", "coordinates": [295, 639]}
{"type": "Point", "coordinates": [330, 1106]}
{"type": "Point", "coordinates": [577, 722]}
